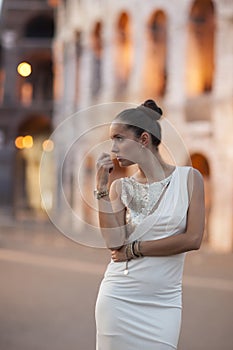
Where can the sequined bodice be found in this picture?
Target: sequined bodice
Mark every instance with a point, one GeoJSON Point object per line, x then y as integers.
{"type": "Point", "coordinates": [140, 199]}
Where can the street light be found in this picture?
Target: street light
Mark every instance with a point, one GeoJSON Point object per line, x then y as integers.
{"type": "Point", "coordinates": [48, 145]}
{"type": "Point", "coordinates": [24, 142]}
{"type": "Point", "coordinates": [24, 69]}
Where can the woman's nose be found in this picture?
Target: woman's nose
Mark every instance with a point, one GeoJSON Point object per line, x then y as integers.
{"type": "Point", "coordinates": [114, 148]}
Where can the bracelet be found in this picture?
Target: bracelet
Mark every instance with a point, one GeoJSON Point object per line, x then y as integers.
{"type": "Point", "coordinates": [137, 250]}
{"type": "Point", "coordinates": [100, 194]}
{"type": "Point", "coordinates": [127, 252]}
{"type": "Point", "coordinates": [132, 250]}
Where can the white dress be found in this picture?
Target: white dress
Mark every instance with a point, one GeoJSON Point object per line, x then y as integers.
{"type": "Point", "coordinates": [142, 309]}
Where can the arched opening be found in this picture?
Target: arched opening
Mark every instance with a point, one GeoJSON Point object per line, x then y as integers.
{"type": "Point", "coordinates": [200, 162]}
{"type": "Point", "coordinates": [31, 140]}
{"type": "Point", "coordinates": [154, 71]}
{"type": "Point", "coordinates": [97, 45]}
{"type": "Point", "coordinates": [41, 26]}
{"type": "Point", "coordinates": [200, 49]}
{"type": "Point", "coordinates": [123, 53]}
{"type": "Point", "coordinates": [38, 86]}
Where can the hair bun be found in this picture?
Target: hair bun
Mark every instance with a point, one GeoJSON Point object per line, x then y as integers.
{"type": "Point", "coordinates": [152, 105]}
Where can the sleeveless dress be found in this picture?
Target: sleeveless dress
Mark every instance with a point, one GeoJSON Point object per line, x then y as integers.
{"type": "Point", "coordinates": [142, 309]}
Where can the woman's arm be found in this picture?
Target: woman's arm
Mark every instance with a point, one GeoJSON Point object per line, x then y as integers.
{"type": "Point", "coordinates": [112, 217]}
{"type": "Point", "coordinates": [111, 210]}
{"type": "Point", "coordinates": [183, 242]}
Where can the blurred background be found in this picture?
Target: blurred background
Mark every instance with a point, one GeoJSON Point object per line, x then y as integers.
{"type": "Point", "coordinates": [59, 57]}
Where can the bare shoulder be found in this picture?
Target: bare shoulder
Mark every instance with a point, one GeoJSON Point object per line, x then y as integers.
{"type": "Point", "coordinates": [116, 190]}
{"type": "Point", "coordinates": [116, 186]}
{"type": "Point", "coordinates": [115, 194]}
{"type": "Point", "coordinates": [195, 176]}
{"type": "Point", "coordinates": [195, 181]}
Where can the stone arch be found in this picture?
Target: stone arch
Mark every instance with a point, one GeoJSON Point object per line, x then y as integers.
{"type": "Point", "coordinates": [123, 53]}
{"type": "Point", "coordinates": [200, 48]}
{"type": "Point", "coordinates": [201, 163]}
{"type": "Point", "coordinates": [97, 48]}
{"type": "Point", "coordinates": [26, 187]}
{"type": "Point", "coordinates": [155, 70]}
{"type": "Point", "coordinates": [40, 26]}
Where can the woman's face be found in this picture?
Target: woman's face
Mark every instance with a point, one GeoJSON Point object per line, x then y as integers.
{"type": "Point", "coordinates": [125, 145]}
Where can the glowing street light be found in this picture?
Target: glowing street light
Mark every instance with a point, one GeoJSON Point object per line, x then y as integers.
{"type": "Point", "coordinates": [19, 142]}
{"type": "Point", "coordinates": [24, 142]}
{"type": "Point", "coordinates": [28, 141]}
{"type": "Point", "coordinates": [48, 145]}
{"type": "Point", "coordinates": [24, 69]}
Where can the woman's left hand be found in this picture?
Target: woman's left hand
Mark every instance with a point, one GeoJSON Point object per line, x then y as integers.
{"type": "Point", "coordinates": [119, 255]}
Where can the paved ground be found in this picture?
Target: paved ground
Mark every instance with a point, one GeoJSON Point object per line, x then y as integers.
{"type": "Point", "coordinates": [49, 285]}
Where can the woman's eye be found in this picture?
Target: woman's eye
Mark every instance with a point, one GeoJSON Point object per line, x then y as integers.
{"type": "Point", "coordinates": [119, 138]}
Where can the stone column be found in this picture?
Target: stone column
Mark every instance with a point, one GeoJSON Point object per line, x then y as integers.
{"type": "Point", "coordinates": [10, 61]}
{"type": "Point", "coordinates": [108, 73]}
{"type": "Point", "coordinates": [176, 62]}
{"type": "Point", "coordinates": [69, 77]}
{"type": "Point", "coordinates": [58, 83]}
{"type": "Point", "coordinates": [139, 48]}
{"type": "Point", "coordinates": [174, 101]}
{"type": "Point", "coordinates": [85, 71]}
{"type": "Point", "coordinates": [223, 86]}
{"type": "Point", "coordinates": [221, 222]}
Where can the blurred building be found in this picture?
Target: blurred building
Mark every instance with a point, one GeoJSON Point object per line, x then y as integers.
{"type": "Point", "coordinates": [26, 98]}
{"type": "Point", "coordinates": [177, 52]}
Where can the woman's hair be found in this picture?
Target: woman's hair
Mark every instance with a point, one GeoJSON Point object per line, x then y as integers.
{"type": "Point", "coordinates": [143, 118]}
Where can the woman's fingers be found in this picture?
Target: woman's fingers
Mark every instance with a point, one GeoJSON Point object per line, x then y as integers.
{"type": "Point", "coordinates": [105, 162]}
{"type": "Point", "coordinates": [118, 255]}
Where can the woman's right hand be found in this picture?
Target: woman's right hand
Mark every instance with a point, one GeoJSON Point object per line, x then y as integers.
{"type": "Point", "coordinates": [104, 166]}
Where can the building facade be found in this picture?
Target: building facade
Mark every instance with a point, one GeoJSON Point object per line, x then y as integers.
{"type": "Point", "coordinates": [179, 53]}
{"type": "Point", "coordinates": [26, 98]}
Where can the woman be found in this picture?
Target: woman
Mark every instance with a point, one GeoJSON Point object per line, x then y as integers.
{"type": "Point", "coordinates": [148, 220]}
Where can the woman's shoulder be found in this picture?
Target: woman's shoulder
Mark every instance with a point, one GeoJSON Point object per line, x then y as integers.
{"type": "Point", "coordinates": [191, 171]}
{"type": "Point", "coordinates": [194, 179]}
{"type": "Point", "coordinates": [190, 175]}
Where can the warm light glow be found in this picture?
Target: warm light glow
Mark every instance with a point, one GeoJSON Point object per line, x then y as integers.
{"type": "Point", "coordinates": [27, 141]}
{"type": "Point", "coordinates": [24, 69]}
{"type": "Point", "coordinates": [53, 3]}
{"type": "Point", "coordinates": [48, 145]}
{"type": "Point", "coordinates": [19, 142]}
{"type": "Point", "coordinates": [26, 94]}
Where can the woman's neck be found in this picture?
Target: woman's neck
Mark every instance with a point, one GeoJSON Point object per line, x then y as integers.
{"type": "Point", "coordinates": [153, 169]}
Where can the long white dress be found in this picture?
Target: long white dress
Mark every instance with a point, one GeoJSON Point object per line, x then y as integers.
{"type": "Point", "coordinates": [142, 309]}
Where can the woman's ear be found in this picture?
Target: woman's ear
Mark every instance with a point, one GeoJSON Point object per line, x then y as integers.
{"type": "Point", "coordinates": [145, 138]}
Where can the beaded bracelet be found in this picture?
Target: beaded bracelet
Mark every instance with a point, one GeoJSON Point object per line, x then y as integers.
{"type": "Point", "coordinates": [132, 250]}
{"type": "Point", "coordinates": [127, 252]}
{"type": "Point", "coordinates": [137, 249]}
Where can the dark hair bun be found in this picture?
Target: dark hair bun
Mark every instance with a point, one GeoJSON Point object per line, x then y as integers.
{"type": "Point", "coordinates": [152, 105]}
